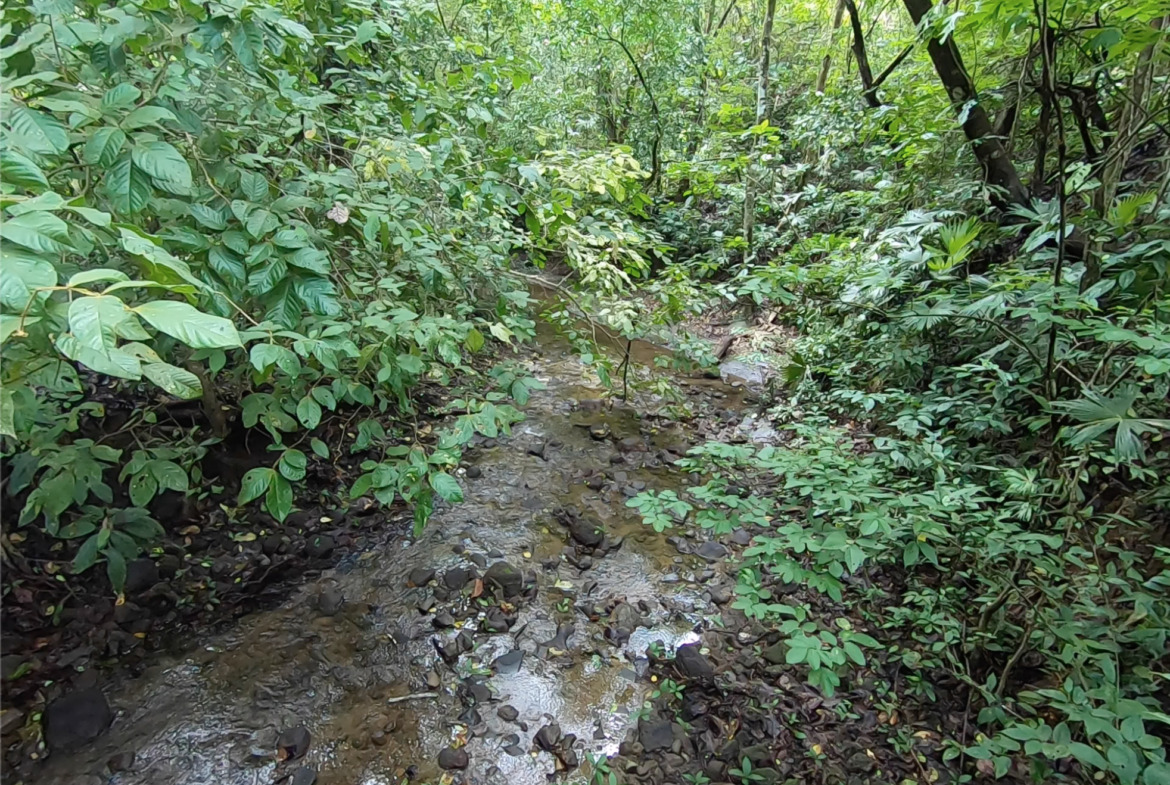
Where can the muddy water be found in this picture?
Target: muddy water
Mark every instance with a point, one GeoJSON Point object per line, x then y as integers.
{"type": "Point", "coordinates": [213, 716]}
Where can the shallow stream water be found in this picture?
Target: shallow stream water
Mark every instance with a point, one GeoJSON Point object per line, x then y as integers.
{"type": "Point", "coordinates": [213, 716]}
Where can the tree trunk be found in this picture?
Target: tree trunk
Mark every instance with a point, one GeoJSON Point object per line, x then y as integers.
{"type": "Point", "coordinates": [823, 76]}
{"type": "Point", "coordinates": [998, 170]}
{"type": "Point", "coordinates": [749, 191]}
{"type": "Point", "coordinates": [859, 52]}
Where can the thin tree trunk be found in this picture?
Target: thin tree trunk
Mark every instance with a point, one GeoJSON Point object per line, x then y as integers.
{"type": "Point", "coordinates": [998, 169]}
{"type": "Point", "coordinates": [823, 76]}
{"type": "Point", "coordinates": [749, 191]}
{"type": "Point", "coordinates": [858, 46]}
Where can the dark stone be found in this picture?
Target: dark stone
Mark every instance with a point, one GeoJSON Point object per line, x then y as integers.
{"type": "Point", "coordinates": [596, 482]}
{"type": "Point", "coordinates": [420, 576]}
{"type": "Point", "coordinates": [711, 551]}
{"type": "Point", "coordinates": [860, 763]}
{"type": "Point", "coordinates": [378, 738]}
{"type": "Point", "coordinates": [720, 594]}
{"type": "Point", "coordinates": [586, 533]}
{"type": "Point", "coordinates": [692, 664]}
{"type": "Point", "coordinates": [330, 601]}
{"type": "Point", "coordinates": [425, 604]}
{"type": "Point", "coordinates": [294, 742]}
{"type": "Point", "coordinates": [123, 761]}
{"type": "Point", "coordinates": [125, 614]}
{"type": "Point", "coordinates": [655, 735]}
{"type": "Point", "coordinates": [507, 713]}
{"type": "Point", "coordinates": [495, 620]}
{"type": "Point", "coordinates": [515, 750]}
{"type": "Point", "coordinates": [141, 574]}
{"type": "Point", "coordinates": [271, 544]}
{"type": "Point", "coordinates": [305, 775]}
{"type": "Point", "coordinates": [548, 737]}
{"type": "Point", "coordinates": [478, 559]}
{"type": "Point", "coordinates": [631, 444]}
{"type": "Point", "coordinates": [477, 690]}
{"type": "Point", "coordinates": [443, 620]}
{"type": "Point", "coordinates": [599, 432]}
{"type": "Point", "coordinates": [741, 537]}
{"type": "Point", "coordinates": [451, 759]}
{"type": "Point", "coordinates": [458, 577]}
{"type": "Point", "coordinates": [509, 663]}
{"type": "Point", "coordinates": [474, 472]}
{"type": "Point", "coordinates": [76, 719]}
{"type": "Point", "coordinates": [470, 717]}
{"type": "Point", "coordinates": [11, 719]}
{"type": "Point", "coordinates": [506, 578]}
{"type": "Point", "coordinates": [560, 641]}
{"type": "Point", "coordinates": [319, 546]}
{"type": "Point", "coordinates": [777, 653]}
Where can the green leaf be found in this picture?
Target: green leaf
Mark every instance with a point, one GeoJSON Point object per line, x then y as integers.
{"type": "Point", "coordinates": [292, 464]}
{"type": "Point", "coordinates": [38, 132]}
{"type": "Point", "coordinates": [19, 171]}
{"type": "Point", "coordinates": [474, 342]}
{"type": "Point", "coordinates": [111, 362]}
{"type": "Point", "coordinates": [312, 259]}
{"type": "Point", "coordinates": [142, 488]}
{"type": "Point", "coordinates": [127, 186]}
{"type": "Point", "coordinates": [165, 164]}
{"type": "Point", "coordinates": [318, 295]}
{"type": "Point", "coordinates": [208, 216]}
{"type": "Point", "coordinates": [86, 555]}
{"type": "Point", "coordinates": [226, 265]}
{"type": "Point", "coordinates": [261, 222]}
{"type": "Point", "coordinates": [94, 320]}
{"type": "Point", "coordinates": [279, 499]}
{"type": "Point", "coordinates": [254, 187]}
{"type": "Point", "coordinates": [22, 274]}
{"type": "Point", "coordinates": [160, 261]}
{"type": "Point", "coordinates": [190, 325]}
{"type": "Point", "coordinates": [103, 146]}
{"type": "Point", "coordinates": [319, 448]}
{"type": "Point", "coordinates": [146, 115]}
{"type": "Point", "coordinates": [115, 568]}
{"type": "Point", "coordinates": [265, 279]}
{"type": "Point", "coordinates": [179, 382]}
{"type": "Point", "coordinates": [447, 487]}
{"type": "Point", "coordinates": [122, 96]}
{"type": "Point", "coordinates": [309, 412]}
{"type": "Point", "coordinates": [254, 484]}
{"type": "Point", "coordinates": [264, 355]}
{"type": "Point", "coordinates": [38, 231]}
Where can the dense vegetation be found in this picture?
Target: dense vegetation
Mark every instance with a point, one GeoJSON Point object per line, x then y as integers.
{"type": "Point", "coordinates": [302, 213]}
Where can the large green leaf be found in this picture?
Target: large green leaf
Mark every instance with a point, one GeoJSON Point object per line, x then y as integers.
{"type": "Point", "coordinates": [112, 362]}
{"type": "Point", "coordinates": [38, 231]}
{"type": "Point", "coordinates": [146, 115]}
{"type": "Point", "coordinates": [190, 325]}
{"type": "Point", "coordinates": [127, 186]}
{"type": "Point", "coordinates": [226, 265]}
{"type": "Point", "coordinates": [38, 132]}
{"type": "Point", "coordinates": [165, 165]}
{"type": "Point", "coordinates": [254, 186]}
{"type": "Point", "coordinates": [318, 295]}
{"type": "Point", "coordinates": [103, 146]}
{"type": "Point", "coordinates": [179, 382]}
{"type": "Point", "coordinates": [208, 216]}
{"type": "Point", "coordinates": [162, 266]}
{"type": "Point", "coordinates": [447, 487]}
{"type": "Point", "coordinates": [120, 97]}
{"type": "Point", "coordinates": [94, 320]}
{"type": "Point", "coordinates": [17, 170]}
{"type": "Point", "coordinates": [22, 273]}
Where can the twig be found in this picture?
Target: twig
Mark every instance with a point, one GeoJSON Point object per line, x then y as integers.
{"type": "Point", "coordinates": [412, 696]}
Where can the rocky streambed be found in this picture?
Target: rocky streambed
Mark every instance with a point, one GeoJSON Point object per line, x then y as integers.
{"type": "Point", "coordinates": [513, 640]}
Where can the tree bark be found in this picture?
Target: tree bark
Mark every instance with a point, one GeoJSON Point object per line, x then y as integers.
{"type": "Point", "coordinates": [858, 46]}
{"type": "Point", "coordinates": [749, 190]}
{"type": "Point", "coordinates": [823, 76]}
{"type": "Point", "coordinates": [998, 169]}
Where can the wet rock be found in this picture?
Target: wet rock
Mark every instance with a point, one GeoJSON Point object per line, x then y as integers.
{"type": "Point", "coordinates": [509, 663]}
{"type": "Point", "coordinates": [476, 690]}
{"type": "Point", "coordinates": [599, 432]}
{"type": "Point", "coordinates": [670, 577]}
{"type": "Point", "coordinates": [741, 537]}
{"type": "Point", "coordinates": [125, 614]}
{"type": "Point", "coordinates": [470, 717]}
{"type": "Point", "coordinates": [458, 577]}
{"type": "Point", "coordinates": [720, 594]}
{"type": "Point", "coordinates": [76, 719]}
{"type": "Point", "coordinates": [560, 641]}
{"type": "Point", "coordinates": [539, 450]}
{"type": "Point", "coordinates": [433, 680]}
{"type": "Point", "coordinates": [293, 743]}
{"type": "Point", "coordinates": [595, 482]}
{"type": "Point", "coordinates": [692, 664]}
{"type": "Point", "coordinates": [585, 562]}
{"type": "Point", "coordinates": [305, 775]}
{"type": "Point", "coordinates": [420, 576]}
{"type": "Point", "coordinates": [474, 472]}
{"type": "Point", "coordinates": [10, 720]}
{"type": "Point", "coordinates": [451, 759]}
{"type": "Point", "coordinates": [711, 551]}
{"type": "Point", "coordinates": [548, 737]}
{"type": "Point", "coordinates": [655, 735]}
{"type": "Point", "coordinates": [425, 604]}
{"type": "Point", "coordinates": [319, 546]}
{"type": "Point", "coordinates": [860, 763]}
{"type": "Point", "coordinates": [506, 579]}
{"type": "Point", "coordinates": [507, 713]}
{"type": "Point", "coordinates": [443, 620]}
{"type": "Point", "coordinates": [515, 750]}
{"type": "Point", "coordinates": [585, 532]}
{"type": "Point", "coordinates": [123, 761]}
{"type": "Point", "coordinates": [631, 444]}
{"type": "Point", "coordinates": [270, 545]}
{"type": "Point", "coordinates": [141, 574]}
{"type": "Point", "coordinates": [616, 458]}
{"type": "Point", "coordinates": [330, 601]}
{"type": "Point", "coordinates": [495, 621]}
{"type": "Point", "coordinates": [478, 559]}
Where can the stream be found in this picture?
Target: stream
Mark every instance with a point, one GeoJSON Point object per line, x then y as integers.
{"type": "Point", "coordinates": [563, 639]}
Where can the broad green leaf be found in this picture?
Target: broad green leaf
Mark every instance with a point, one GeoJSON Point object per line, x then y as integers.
{"type": "Point", "coordinates": [146, 115]}
{"type": "Point", "coordinates": [226, 265]}
{"type": "Point", "coordinates": [447, 487]}
{"type": "Point", "coordinates": [319, 448]}
{"type": "Point", "coordinates": [264, 355]}
{"type": "Point", "coordinates": [188, 324]}
{"type": "Point", "coordinates": [127, 186]}
{"type": "Point", "coordinates": [254, 186]}
{"type": "Point", "coordinates": [93, 321]}
{"type": "Point", "coordinates": [260, 222]}
{"type": "Point", "coordinates": [22, 172]}
{"type": "Point", "coordinates": [38, 231]}
{"type": "Point", "coordinates": [37, 132]}
{"type": "Point", "coordinates": [122, 96]}
{"type": "Point", "coordinates": [208, 216]}
{"type": "Point", "coordinates": [254, 484]}
{"type": "Point", "coordinates": [279, 499]}
{"type": "Point", "coordinates": [165, 165]}
{"type": "Point", "coordinates": [318, 295]}
{"type": "Point", "coordinates": [103, 146]}
{"type": "Point", "coordinates": [474, 341]}
{"type": "Point", "coordinates": [111, 362]}
{"type": "Point", "coordinates": [292, 464]}
{"type": "Point", "coordinates": [309, 413]}
{"type": "Point", "coordinates": [94, 276]}
{"type": "Point", "coordinates": [311, 259]}
{"type": "Point", "coordinates": [159, 260]}
{"type": "Point", "coordinates": [21, 274]}
{"type": "Point", "coordinates": [179, 382]}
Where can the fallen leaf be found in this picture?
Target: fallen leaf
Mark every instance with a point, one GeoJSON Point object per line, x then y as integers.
{"type": "Point", "coordinates": [477, 589]}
